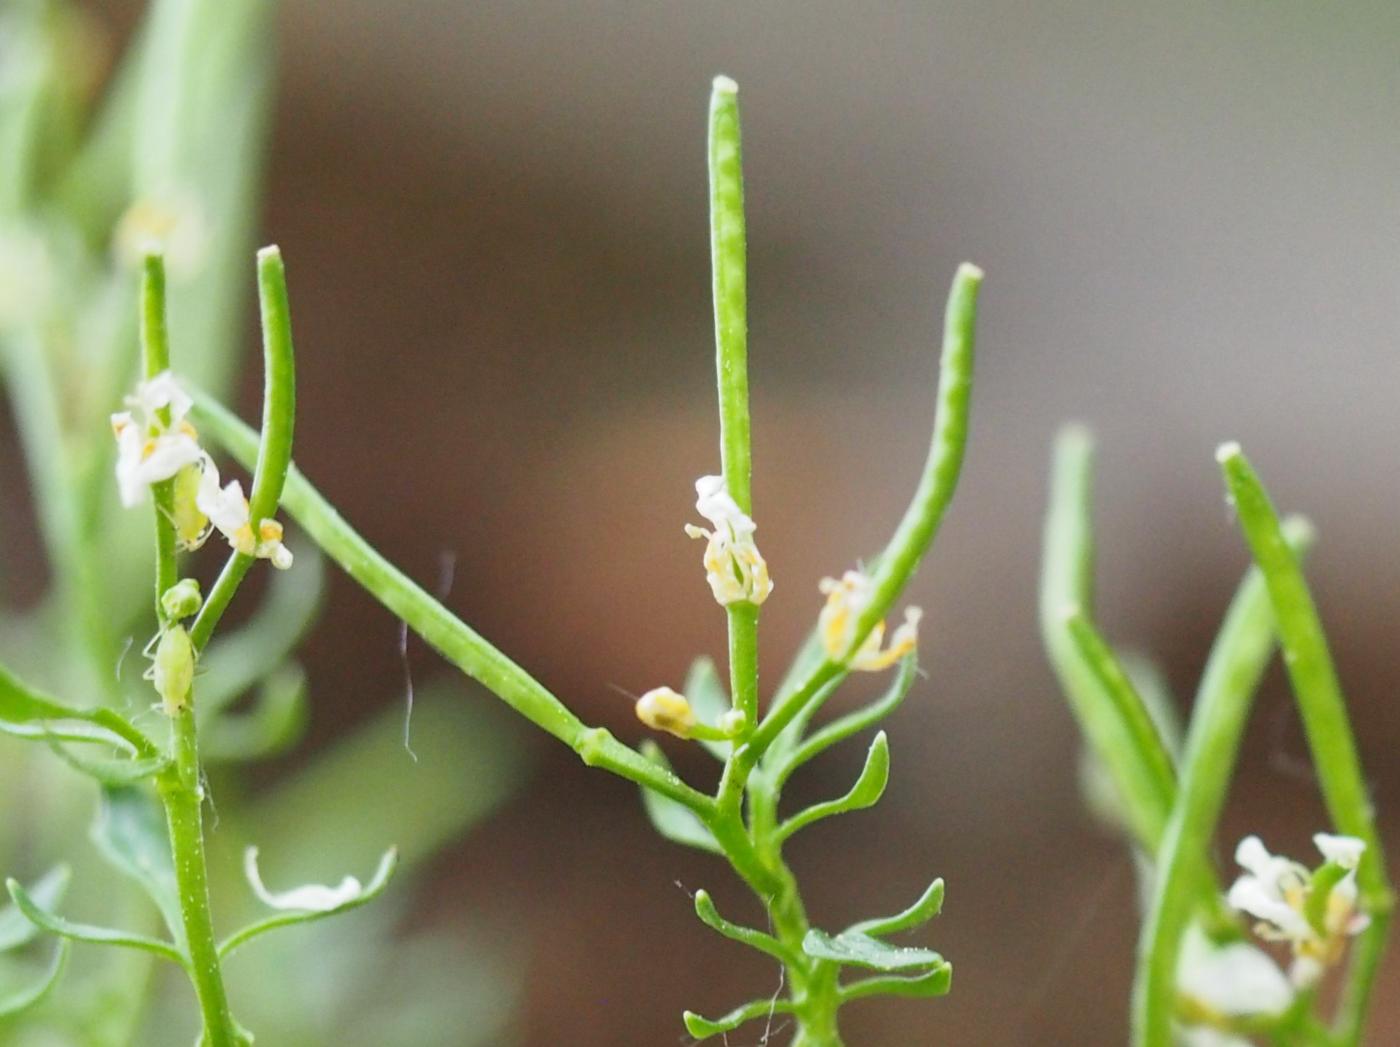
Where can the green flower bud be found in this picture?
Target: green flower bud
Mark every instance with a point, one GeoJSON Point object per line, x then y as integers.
{"type": "Point", "coordinates": [182, 599]}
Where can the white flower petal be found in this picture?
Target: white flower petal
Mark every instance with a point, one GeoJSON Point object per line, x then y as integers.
{"type": "Point", "coordinates": [1252, 855]}
{"type": "Point", "coordinates": [1345, 851]}
{"type": "Point", "coordinates": [1251, 895]}
{"type": "Point", "coordinates": [312, 897]}
{"type": "Point", "coordinates": [1232, 979]}
{"type": "Point", "coordinates": [163, 391]}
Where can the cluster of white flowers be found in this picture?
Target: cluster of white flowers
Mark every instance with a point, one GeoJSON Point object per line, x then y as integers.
{"type": "Point", "coordinates": [1277, 891]}
{"type": "Point", "coordinates": [151, 450]}
{"type": "Point", "coordinates": [846, 601]}
{"type": "Point", "coordinates": [734, 567]}
{"type": "Point", "coordinates": [1236, 980]}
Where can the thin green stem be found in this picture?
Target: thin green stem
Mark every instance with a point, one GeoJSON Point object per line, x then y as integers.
{"type": "Point", "coordinates": [440, 628]}
{"type": "Point", "coordinates": [183, 796]}
{"type": "Point", "coordinates": [275, 449]}
{"type": "Point", "coordinates": [180, 788]}
{"type": "Point", "coordinates": [1237, 662]}
{"type": "Point", "coordinates": [155, 359]}
{"type": "Point", "coordinates": [1323, 710]}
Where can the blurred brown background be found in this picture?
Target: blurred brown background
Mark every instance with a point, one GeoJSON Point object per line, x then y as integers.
{"type": "Point", "coordinates": [495, 221]}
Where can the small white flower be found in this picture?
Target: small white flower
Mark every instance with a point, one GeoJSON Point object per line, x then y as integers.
{"type": "Point", "coordinates": [150, 449]}
{"type": "Point", "coordinates": [663, 709]}
{"type": "Point", "coordinates": [1277, 891]}
{"type": "Point", "coordinates": [228, 511]}
{"type": "Point", "coordinates": [734, 567]}
{"type": "Point", "coordinates": [846, 601]}
{"type": "Point", "coordinates": [312, 897]}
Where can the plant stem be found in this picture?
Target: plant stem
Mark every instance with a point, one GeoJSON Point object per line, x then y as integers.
{"type": "Point", "coordinates": [155, 354]}
{"type": "Point", "coordinates": [179, 787]}
{"type": "Point", "coordinates": [183, 796]}
{"type": "Point", "coordinates": [1237, 661]}
{"type": "Point", "coordinates": [1323, 709]}
{"type": "Point", "coordinates": [441, 629]}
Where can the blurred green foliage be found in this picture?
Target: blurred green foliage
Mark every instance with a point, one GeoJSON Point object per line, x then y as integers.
{"type": "Point", "coordinates": [98, 155]}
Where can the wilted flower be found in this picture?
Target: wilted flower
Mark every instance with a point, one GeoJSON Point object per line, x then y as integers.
{"type": "Point", "coordinates": [150, 449]}
{"type": "Point", "coordinates": [1283, 896]}
{"type": "Point", "coordinates": [227, 509]}
{"type": "Point", "coordinates": [846, 600]}
{"type": "Point", "coordinates": [734, 567]}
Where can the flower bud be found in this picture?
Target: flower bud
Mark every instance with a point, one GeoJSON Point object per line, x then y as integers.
{"type": "Point", "coordinates": [181, 600]}
{"type": "Point", "coordinates": [662, 709]}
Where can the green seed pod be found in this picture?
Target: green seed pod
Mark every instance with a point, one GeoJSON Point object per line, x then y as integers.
{"type": "Point", "coordinates": [172, 671]}
{"type": "Point", "coordinates": [182, 599]}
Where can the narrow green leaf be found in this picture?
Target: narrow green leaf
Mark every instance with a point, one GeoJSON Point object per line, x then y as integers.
{"type": "Point", "coordinates": [25, 713]}
{"type": "Point", "coordinates": [347, 900]}
{"type": "Point", "coordinates": [13, 1001]}
{"type": "Point", "coordinates": [866, 792]}
{"type": "Point", "coordinates": [130, 834]}
{"type": "Point", "coordinates": [853, 949]}
{"type": "Point", "coordinates": [677, 823]}
{"type": "Point", "coordinates": [936, 982]}
{"type": "Point", "coordinates": [47, 891]}
{"type": "Point", "coordinates": [929, 905]}
{"type": "Point", "coordinates": [112, 771]}
{"type": "Point", "coordinates": [703, 1028]}
{"type": "Point", "coordinates": [83, 932]}
{"type": "Point", "coordinates": [765, 943]}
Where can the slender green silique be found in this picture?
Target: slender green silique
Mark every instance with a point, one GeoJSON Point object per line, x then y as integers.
{"type": "Point", "coordinates": [275, 449]}
{"type": "Point", "coordinates": [180, 787]}
{"type": "Point", "coordinates": [728, 265]}
{"type": "Point", "coordinates": [1318, 693]}
{"type": "Point", "coordinates": [919, 525]}
{"type": "Point", "coordinates": [440, 628]}
{"type": "Point", "coordinates": [1237, 661]}
{"type": "Point", "coordinates": [1067, 591]}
